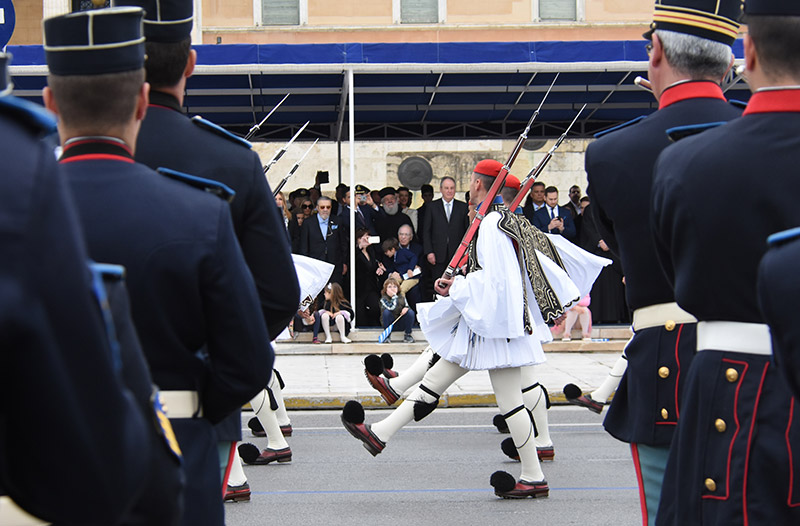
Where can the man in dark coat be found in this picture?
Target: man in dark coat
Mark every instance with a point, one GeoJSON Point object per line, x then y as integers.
{"type": "Point", "coordinates": [390, 217]}
{"type": "Point", "coordinates": [322, 238]}
{"type": "Point", "coordinates": [733, 459]}
{"type": "Point", "coordinates": [55, 349]}
{"type": "Point", "coordinates": [193, 300]}
{"type": "Point", "coordinates": [170, 139]}
{"type": "Point", "coordinates": [686, 66]}
{"type": "Point", "coordinates": [554, 219]}
{"type": "Point", "coordinates": [446, 222]}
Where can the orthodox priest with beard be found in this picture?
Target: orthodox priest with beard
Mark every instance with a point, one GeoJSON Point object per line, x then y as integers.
{"type": "Point", "coordinates": [485, 322]}
{"type": "Point", "coordinates": [389, 218]}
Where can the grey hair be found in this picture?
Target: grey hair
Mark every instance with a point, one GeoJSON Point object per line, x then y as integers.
{"type": "Point", "coordinates": [695, 56]}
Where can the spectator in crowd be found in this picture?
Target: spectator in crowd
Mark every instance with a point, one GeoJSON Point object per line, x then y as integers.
{"type": "Point", "coordinates": [554, 219]}
{"type": "Point", "coordinates": [426, 191]}
{"type": "Point", "coordinates": [388, 221]}
{"type": "Point", "coordinates": [370, 273]}
{"type": "Point", "coordinates": [581, 313]}
{"type": "Point", "coordinates": [280, 201]}
{"type": "Point", "coordinates": [405, 197]}
{"type": "Point", "coordinates": [574, 206]}
{"type": "Point", "coordinates": [304, 319]}
{"type": "Point", "coordinates": [336, 310]}
{"type": "Point", "coordinates": [341, 190]}
{"type": "Point", "coordinates": [393, 307]}
{"type": "Point", "coordinates": [365, 211]}
{"type": "Point", "coordinates": [295, 224]}
{"type": "Point", "coordinates": [446, 223]}
{"type": "Point", "coordinates": [609, 305]}
{"type": "Point", "coordinates": [375, 195]}
{"type": "Point", "coordinates": [403, 267]}
{"type": "Point", "coordinates": [535, 200]}
{"type": "Point", "coordinates": [307, 207]}
{"type": "Point", "coordinates": [322, 239]}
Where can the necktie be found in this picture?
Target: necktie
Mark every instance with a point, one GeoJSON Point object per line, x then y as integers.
{"type": "Point", "coordinates": [552, 215]}
{"type": "Point", "coordinates": [447, 210]}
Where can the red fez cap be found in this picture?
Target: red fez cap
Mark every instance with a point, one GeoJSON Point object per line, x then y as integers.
{"type": "Point", "coordinates": [512, 182]}
{"type": "Point", "coordinates": [488, 167]}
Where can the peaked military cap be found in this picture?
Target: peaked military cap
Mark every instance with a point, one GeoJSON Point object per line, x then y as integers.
{"type": "Point", "coordinates": [5, 78]}
{"type": "Point", "coordinates": [361, 189]}
{"type": "Point", "coordinates": [164, 20]}
{"type": "Point", "coordinates": [711, 19]}
{"type": "Point", "coordinates": [95, 42]}
{"type": "Point", "coordinates": [772, 7]}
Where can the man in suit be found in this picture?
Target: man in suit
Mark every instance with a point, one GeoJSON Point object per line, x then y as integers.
{"type": "Point", "coordinates": [55, 349]}
{"type": "Point", "coordinates": [170, 139]}
{"type": "Point", "coordinates": [364, 212]}
{"type": "Point", "coordinates": [193, 299]}
{"type": "Point", "coordinates": [553, 218]}
{"type": "Point", "coordinates": [733, 458]}
{"type": "Point", "coordinates": [574, 203]}
{"type": "Point", "coordinates": [426, 192]}
{"type": "Point", "coordinates": [686, 67]}
{"type": "Point", "coordinates": [446, 222]}
{"type": "Point", "coordinates": [322, 238]}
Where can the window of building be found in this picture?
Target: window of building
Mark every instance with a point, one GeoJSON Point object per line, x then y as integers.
{"type": "Point", "coordinates": [280, 12]}
{"type": "Point", "coordinates": [419, 11]}
{"type": "Point", "coordinates": [88, 5]}
{"type": "Point", "coordinates": [555, 10]}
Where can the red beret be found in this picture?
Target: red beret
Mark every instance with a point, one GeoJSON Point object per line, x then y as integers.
{"type": "Point", "coordinates": [488, 167]}
{"type": "Point", "coordinates": [512, 182]}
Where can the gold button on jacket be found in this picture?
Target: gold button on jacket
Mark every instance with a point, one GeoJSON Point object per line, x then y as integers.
{"type": "Point", "coordinates": [663, 372]}
{"type": "Point", "coordinates": [711, 485]}
{"type": "Point", "coordinates": [731, 375]}
{"type": "Point", "coordinates": [720, 425]}
{"type": "Point", "coordinates": [664, 413]}
{"type": "Point", "coordinates": [669, 325]}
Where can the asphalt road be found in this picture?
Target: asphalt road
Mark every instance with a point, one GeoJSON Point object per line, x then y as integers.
{"type": "Point", "coordinates": [437, 472]}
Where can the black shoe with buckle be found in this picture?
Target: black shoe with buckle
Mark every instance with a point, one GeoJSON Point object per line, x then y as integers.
{"type": "Point", "coordinates": [237, 493]}
{"type": "Point", "coordinates": [506, 487]}
{"type": "Point", "coordinates": [353, 420]}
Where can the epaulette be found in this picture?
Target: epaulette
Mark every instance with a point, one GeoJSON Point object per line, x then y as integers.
{"type": "Point", "coordinates": [681, 132]}
{"type": "Point", "coordinates": [779, 238]}
{"type": "Point", "coordinates": [107, 270]}
{"type": "Point", "coordinates": [219, 130]}
{"type": "Point", "coordinates": [221, 190]}
{"type": "Point", "coordinates": [738, 103]}
{"type": "Point", "coordinates": [31, 115]}
{"type": "Point", "coordinates": [619, 127]}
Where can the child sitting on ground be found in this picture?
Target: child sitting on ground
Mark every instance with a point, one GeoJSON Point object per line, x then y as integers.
{"type": "Point", "coordinates": [405, 263]}
{"type": "Point", "coordinates": [337, 310]}
{"type": "Point", "coordinates": [393, 306]}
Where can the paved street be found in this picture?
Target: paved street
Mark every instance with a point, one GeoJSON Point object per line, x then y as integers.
{"type": "Point", "coordinates": [437, 472]}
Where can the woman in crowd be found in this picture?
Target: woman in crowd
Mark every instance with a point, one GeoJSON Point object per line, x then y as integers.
{"type": "Point", "coordinates": [370, 272]}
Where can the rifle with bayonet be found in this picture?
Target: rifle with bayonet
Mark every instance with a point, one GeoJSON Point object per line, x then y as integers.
{"type": "Point", "coordinates": [294, 168]}
{"type": "Point", "coordinates": [257, 127]}
{"type": "Point", "coordinates": [283, 150]}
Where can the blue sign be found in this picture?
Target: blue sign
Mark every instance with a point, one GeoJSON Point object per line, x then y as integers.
{"type": "Point", "coordinates": [7, 21]}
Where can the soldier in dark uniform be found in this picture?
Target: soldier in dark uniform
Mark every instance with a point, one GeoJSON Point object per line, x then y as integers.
{"type": "Point", "coordinates": [168, 138]}
{"type": "Point", "coordinates": [733, 459]}
{"type": "Point", "coordinates": [778, 290]}
{"type": "Point", "coordinates": [688, 58]}
{"type": "Point", "coordinates": [193, 299]}
{"type": "Point", "coordinates": [55, 351]}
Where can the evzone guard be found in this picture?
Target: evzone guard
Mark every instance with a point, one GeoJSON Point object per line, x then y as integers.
{"type": "Point", "coordinates": [486, 321]}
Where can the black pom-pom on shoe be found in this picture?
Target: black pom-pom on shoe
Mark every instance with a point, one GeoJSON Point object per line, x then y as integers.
{"type": "Point", "coordinates": [373, 364]}
{"type": "Point", "coordinates": [248, 452]}
{"type": "Point", "coordinates": [502, 482]}
{"type": "Point", "coordinates": [353, 412]}
{"type": "Point", "coordinates": [500, 423]}
{"type": "Point", "coordinates": [572, 391]}
{"type": "Point", "coordinates": [388, 361]}
{"type": "Point", "coordinates": [507, 446]}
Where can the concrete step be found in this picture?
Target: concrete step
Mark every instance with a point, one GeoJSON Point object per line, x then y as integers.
{"type": "Point", "coordinates": [604, 339]}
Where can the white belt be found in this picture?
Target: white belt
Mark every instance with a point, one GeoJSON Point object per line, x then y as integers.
{"type": "Point", "coordinates": [734, 336]}
{"type": "Point", "coordinates": [662, 314]}
{"type": "Point", "coordinates": [13, 515]}
{"type": "Point", "coordinates": [181, 404]}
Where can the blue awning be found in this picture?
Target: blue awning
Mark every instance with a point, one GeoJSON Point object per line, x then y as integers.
{"type": "Point", "coordinates": [409, 91]}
